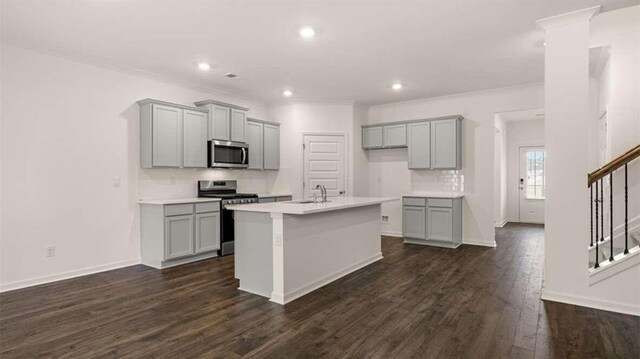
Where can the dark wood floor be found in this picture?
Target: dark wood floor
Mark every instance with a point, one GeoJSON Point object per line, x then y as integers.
{"type": "Point", "coordinates": [419, 302]}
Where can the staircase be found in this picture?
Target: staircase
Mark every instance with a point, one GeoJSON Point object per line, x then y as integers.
{"type": "Point", "coordinates": [612, 246]}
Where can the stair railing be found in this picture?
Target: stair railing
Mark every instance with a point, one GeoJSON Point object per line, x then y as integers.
{"type": "Point", "coordinates": [595, 181]}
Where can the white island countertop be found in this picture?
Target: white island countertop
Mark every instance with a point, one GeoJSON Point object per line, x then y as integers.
{"type": "Point", "coordinates": [435, 194]}
{"type": "Point", "coordinates": [178, 200]}
{"type": "Point", "coordinates": [291, 207]}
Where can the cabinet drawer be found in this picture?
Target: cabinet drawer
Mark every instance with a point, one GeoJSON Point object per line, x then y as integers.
{"type": "Point", "coordinates": [440, 202]}
{"type": "Point", "coordinates": [266, 200]}
{"type": "Point", "coordinates": [414, 201]}
{"type": "Point", "coordinates": [207, 207]}
{"type": "Point", "coordinates": [284, 199]}
{"type": "Point", "coordinates": [178, 209]}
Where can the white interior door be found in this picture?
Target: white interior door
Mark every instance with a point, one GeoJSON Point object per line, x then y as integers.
{"type": "Point", "coordinates": [324, 161]}
{"type": "Point", "coordinates": [531, 184]}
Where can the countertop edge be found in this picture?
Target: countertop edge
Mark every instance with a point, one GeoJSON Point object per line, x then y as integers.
{"type": "Point", "coordinates": [245, 208]}
{"type": "Point", "coordinates": [177, 201]}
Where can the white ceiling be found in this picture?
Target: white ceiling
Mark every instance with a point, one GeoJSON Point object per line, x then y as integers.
{"type": "Point", "coordinates": [433, 47]}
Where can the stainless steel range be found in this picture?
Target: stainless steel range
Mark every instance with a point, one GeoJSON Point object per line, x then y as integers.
{"type": "Point", "coordinates": [226, 191]}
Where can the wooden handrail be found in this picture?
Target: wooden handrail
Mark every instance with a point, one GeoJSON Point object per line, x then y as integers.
{"type": "Point", "coordinates": [620, 161]}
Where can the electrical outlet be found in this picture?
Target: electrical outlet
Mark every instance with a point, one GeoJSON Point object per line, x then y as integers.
{"type": "Point", "coordinates": [116, 181]}
{"type": "Point", "coordinates": [50, 251]}
{"type": "Point", "coordinates": [385, 219]}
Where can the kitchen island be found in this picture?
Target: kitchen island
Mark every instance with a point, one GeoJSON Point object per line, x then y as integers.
{"type": "Point", "coordinates": [285, 250]}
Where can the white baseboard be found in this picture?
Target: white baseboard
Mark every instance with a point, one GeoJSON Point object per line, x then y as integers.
{"type": "Point", "coordinates": [472, 242]}
{"type": "Point", "coordinates": [297, 293]}
{"type": "Point", "coordinates": [392, 234]}
{"type": "Point", "coordinates": [500, 225]}
{"type": "Point", "coordinates": [591, 303]}
{"type": "Point", "coordinates": [5, 287]}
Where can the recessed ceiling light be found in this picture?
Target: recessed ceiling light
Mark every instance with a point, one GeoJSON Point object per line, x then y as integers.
{"type": "Point", "coordinates": [396, 86]}
{"type": "Point", "coordinates": [307, 32]}
{"type": "Point", "coordinates": [544, 44]}
{"type": "Point", "coordinates": [287, 93]}
{"type": "Point", "coordinates": [204, 66]}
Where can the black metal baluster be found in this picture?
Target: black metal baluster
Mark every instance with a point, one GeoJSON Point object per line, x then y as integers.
{"type": "Point", "coordinates": [626, 209]}
{"type": "Point", "coordinates": [602, 214]}
{"type": "Point", "coordinates": [611, 215]}
{"type": "Point", "coordinates": [591, 216]}
{"type": "Point", "coordinates": [597, 244]}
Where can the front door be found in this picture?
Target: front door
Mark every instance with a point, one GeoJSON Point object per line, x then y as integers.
{"type": "Point", "coordinates": [324, 164]}
{"type": "Point", "coordinates": [531, 184]}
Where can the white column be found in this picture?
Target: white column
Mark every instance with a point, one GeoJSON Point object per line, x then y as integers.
{"type": "Point", "coordinates": [566, 141]}
{"type": "Point", "coordinates": [277, 293]}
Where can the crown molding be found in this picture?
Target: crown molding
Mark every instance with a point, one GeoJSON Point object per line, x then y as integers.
{"type": "Point", "coordinates": [568, 18]}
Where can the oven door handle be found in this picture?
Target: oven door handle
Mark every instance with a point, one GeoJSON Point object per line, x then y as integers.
{"type": "Point", "coordinates": [244, 156]}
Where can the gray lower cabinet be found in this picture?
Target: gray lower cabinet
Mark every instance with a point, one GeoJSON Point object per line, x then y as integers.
{"type": "Point", "coordinates": [413, 222]}
{"type": "Point", "coordinates": [178, 236]}
{"type": "Point", "coordinates": [174, 234]}
{"type": "Point", "coordinates": [207, 232]}
{"type": "Point", "coordinates": [432, 221]}
{"type": "Point", "coordinates": [263, 139]}
{"type": "Point", "coordinates": [172, 135]}
{"type": "Point", "coordinates": [266, 200]}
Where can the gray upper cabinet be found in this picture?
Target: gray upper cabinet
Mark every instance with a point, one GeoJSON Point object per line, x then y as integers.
{"type": "Point", "coordinates": [195, 144]}
{"type": "Point", "coordinates": [372, 137]}
{"type": "Point", "coordinates": [271, 147]}
{"type": "Point", "coordinates": [394, 136]}
{"type": "Point", "coordinates": [172, 135]}
{"type": "Point", "coordinates": [238, 125]}
{"type": "Point", "coordinates": [419, 138]}
{"type": "Point", "coordinates": [219, 124]}
{"type": "Point", "coordinates": [263, 139]}
{"type": "Point", "coordinates": [166, 136]}
{"type": "Point", "coordinates": [254, 140]}
{"type": "Point", "coordinates": [445, 144]}
{"type": "Point", "coordinates": [434, 143]}
{"type": "Point", "coordinates": [227, 122]}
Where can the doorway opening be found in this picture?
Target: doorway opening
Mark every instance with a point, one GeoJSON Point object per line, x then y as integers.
{"type": "Point", "coordinates": [519, 167]}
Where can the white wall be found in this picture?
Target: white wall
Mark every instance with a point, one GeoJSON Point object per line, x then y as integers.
{"type": "Point", "coordinates": [69, 128]}
{"type": "Point", "coordinates": [566, 139]}
{"type": "Point", "coordinates": [519, 133]}
{"type": "Point", "coordinates": [500, 172]}
{"type": "Point", "coordinates": [388, 171]}
{"type": "Point", "coordinates": [298, 118]}
{"type": "Point", "coordinates": [619, 90]}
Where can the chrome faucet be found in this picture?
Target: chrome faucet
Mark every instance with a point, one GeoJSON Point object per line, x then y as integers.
{"type": "Point", "coordinates": [323, 191]}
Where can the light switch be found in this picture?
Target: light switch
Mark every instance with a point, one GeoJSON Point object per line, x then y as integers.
{"type": "Point", "coordinates": [116, 181]}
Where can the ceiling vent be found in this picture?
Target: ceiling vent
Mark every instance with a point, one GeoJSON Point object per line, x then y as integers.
{"type": "Point", "coordinates": [230, 75]}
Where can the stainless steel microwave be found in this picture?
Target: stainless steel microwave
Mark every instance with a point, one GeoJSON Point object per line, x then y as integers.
{"type": "Point", "coordinates": [228, 154]}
